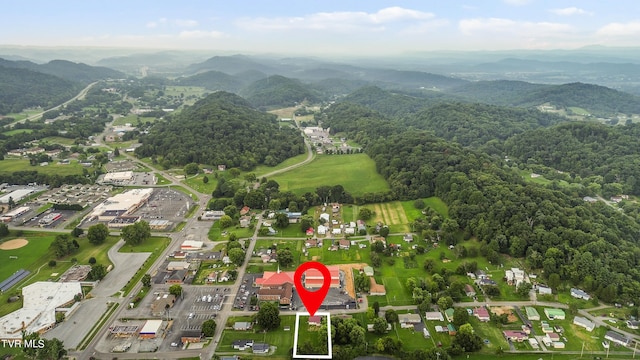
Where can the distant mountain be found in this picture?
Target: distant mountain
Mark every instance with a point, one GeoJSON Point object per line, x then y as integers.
{"type": "Point", "coordinates": [594, 98]}
{"type": "Point", "coordinates": [230, 65]}
{"type": "Point", "coordinates": [338, 86]}
{"type": "Point", "coordinates": [278, 91]}
{"type": "Point", "coordinates": [221, 129]}
{"type": "Point", "coordinates": [412, 79]}
{"type": "Point", "coordinates": [77, 72]}
{"type": "Point", "coordinates": [23, 88]}
{"type": "Point", "coordinates": [213, 80]}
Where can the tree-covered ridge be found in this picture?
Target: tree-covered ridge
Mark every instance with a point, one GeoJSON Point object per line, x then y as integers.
{"type": "Point", "coordinates": [590, 245]}
{"type": "Point", "coordinates": [387, 102]}
{"type": "Point", "coordinates": [221, 129]}
{"type": "Point", "coordinates": [22, 88]}
{"type": "Point", "coordinates": [75, 72]}
{"type": "Point", "coordinates": [278, 91]}
{"type": "Point", "coordinates": [213, 80]}
{"type": "Point", "coordinates": [471, 124]}
{"type": "Point", "coordinates": [597, 99]}
{"type": "Point", "coordinates": [585, 150]}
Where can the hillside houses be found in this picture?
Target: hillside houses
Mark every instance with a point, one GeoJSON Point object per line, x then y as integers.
{"type": "Point", "coordinates": [580, 294]}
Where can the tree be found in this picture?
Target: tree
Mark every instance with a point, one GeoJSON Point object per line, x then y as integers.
{"type": "Point", "coordinates": [554, 281]}
{"type": "Point", "coordinates": [376, 307]}
{"type": "Point", "coordinates": [225, 221]}
{"type": "Point", "coordinates": [384, 231]}
{"type": "Point", "coordinates": [137, 233]}
{"type": "Point", "coordinates": [236, 256]}
{"type": "Point", "coordinates": [523, 289]}
{"type": "Point", "coordinates": [205, 179]}
{"type": "Point", "coordinates": [466, 339]}
{"type": "Point", "coordinates": [175, 290]}
{"type": "Point", "coordinates": [379, 325]}
{"type": "Point", "coordinates": [391, 316]}
{"type": "Point", "coordinates": [191, 169]}
{"type": "Point", "coordinates": [116, 151]}
{"type": "Point", "coordinates": [146, 280]}
{"type": "Point", "coordinates": [388, 345]}
{"type": "Point", "coordinates": [419, 204]}
{"type": "Point", "coordinates": [281, 220]}
{"type": "Point", "coordinates": [285, 257]}
{"type": "Point", "coordinates": [306, 222]}
{"type": "Point", "coordinates": [4, 230]}
{"type": "Point", "coordinates": [460, 316]}
{"type": "Point", "coordinates": [53, 350]}
{"type": "Point", "coordinates": [97, 272]}
{"type": "Point", "coordinates": [445, 302]}
{"type": "Point", "coordinates": [362, 283]}
{"type": "Point", "coordinates": [377, 246]}
{"type": "Point", "coordinates": [365, 214]}
{"type": "Point", "coordinates": [268, 316]}
{"type": "Point", "coordinates": [77, 232]}
{"type": "Point", "coordinates": [33, 338]}
{"type": "Point", "coordinates": [97, 234]}
{"type": "Point", "coordinates": [92, 260]}
{"type": "Point", "coordinates": [209, 327]}
{"type": "Point", "coordinates": [52, 263]}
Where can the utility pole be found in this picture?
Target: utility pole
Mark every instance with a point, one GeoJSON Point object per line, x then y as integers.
{"type": "Point", "coordinates": [582, 351]}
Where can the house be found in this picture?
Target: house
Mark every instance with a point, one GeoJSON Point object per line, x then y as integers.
{"type": "Point", "coordinates": [408, 238]}
{"type": "Point", "coordinates": [260, 348]}
{"type": "Point", "coordinates": [425, 333]}
{"type": "Point", "coordinates": [633, 324]}
{"type": "Point", "coordinates": [544, 290]}
{"type": "Point", "coordinates": [407, 320]}
{"type": "Point", "coordinates": [336, 231]}
{"type": "Point", "coordinates": [309, 231]}
{"type": "Point", "coordinates": [554, 314]}
{"type": "Point", "coordinates": [469, 290]}
{"type": "Point", "coordinates": [326, 217]}
{"type": "Point", "coordinates": [322, 230]}
{"type": "Point", "coordinates": [515, 335]}
{"type": "Point", "coordinates": [315, 320]}
{"type": "Point", "coordinates": [376, 289]}
{"type": "Point", "coordinates": [349, 231]}
{"type": "Point", "coordinates": [245, 210]}
{"type": "Point", "coordinates": [224, 276]}
{"type": "Point", "coordinates": [241, 326]}
{"type": "Point", "coordinates": [482, 314]}
{"type": "Point", "coordinates": [361, 226]}
{"type": "Point", "coordinates": [368, 270]}
{"type": "Point", "coordinates": [433, 316]}
{"type": "Point", "coordinates": [558, 345]}
{"type": "Point", "coordinates": [452, 329]}
{"type": "Point", "coordinates": [580, 294]}
{"type": "Point", "coordinates": [449, 314]}
{"type": "Point", "coordinates": [617, 338]}
{"type": "Point", "coordinates": [311, 243]}
{"type": "Point", "coordinates": [487, 282]}
{"type": "Point", "coordinates": [242, 344]}
{"type": "Point", "coordinates": [552, 337]}
{"type": "Point", "coordinates": [532, 313]}
{"type": "Point", "coordinates": [370, 327]}
{"type": "Point", "coordinates": [245, 221]}
{"type": "Point", "coordinates": [585, 323]}
{"type": "Point", "coordinates": [176, 277]}
{"type": "Point", "coordinates": [344, 244]}
{"type": "Point", "coordinates": [514, 276]}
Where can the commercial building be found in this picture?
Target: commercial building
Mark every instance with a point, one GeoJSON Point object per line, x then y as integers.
{"type": "Point", "coordinates": [122, 221]}
{"type": "Point", "coordinates": [150, 329]}
{"type": "Point", "coordinates": [49, 219]}
{"type": "Point", "coordinates": [41, 301]}
{"type": "Point", "coordinates": [191, 245]}
{"type": "Point", "coordinates": [15, 195]}
{"type": "Point", "coordinates": [15, 213]}
{"type": "Point", "coordinates": [162, 303]}
{"type": "Point", "coordinates": [117, 177]}
{"type": "Point", "coordinates": [125, 203]}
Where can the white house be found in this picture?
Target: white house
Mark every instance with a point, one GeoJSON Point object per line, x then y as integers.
{"type": "Point", "coordinates": [580, 294]}
{"type": "Point", "coordinates": [584, 322]}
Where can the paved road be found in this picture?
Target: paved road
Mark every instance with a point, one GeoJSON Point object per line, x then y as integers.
{"type": "Point", "coordinates": [80, 96]}
{"type": "Point", "coordinates": [310, 156]}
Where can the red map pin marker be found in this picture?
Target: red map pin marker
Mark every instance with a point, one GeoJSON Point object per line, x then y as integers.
{"type": "Point", "coordinates": [312, 299]}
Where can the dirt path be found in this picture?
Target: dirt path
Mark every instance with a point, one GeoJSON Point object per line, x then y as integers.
{"type": "Point", "coordinates": [348, 276]}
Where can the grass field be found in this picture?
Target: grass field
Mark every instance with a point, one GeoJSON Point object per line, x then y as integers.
{"type": "Point", "coordinates": [13, 165]}
{"type": "Point", "coordinates": [35, 257]}
{"type": "Point", "coordinates": [280, 338]}
{"type": "Point", "coordinates": [216, 234]}
{"type": "Point", "coordinates": [58, 140]}
{"type": "Point", "coordinates": [579, 111]}
{"type": "Point", "coordinates": [133, 120]}
{"type": "Point", "coordinates": [150, 245]}
{"type": "Point", "coordinates": [197, 184]}
{"type": "Point", "coordinates": [356, 173]}
{"type": "Point", "coordinates": [391, 214]}
{"type": "Point", "coordinates": [16, 131]}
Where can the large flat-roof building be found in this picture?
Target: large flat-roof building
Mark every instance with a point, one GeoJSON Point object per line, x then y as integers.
{"type": "Point", "coordinates": [15, 195]}
{"type": "Point", "coordinates": [150, 329]}
{"type": "Point", "coordinates": [118, 177]}
{"type": "Point", "coordinates": [38, 312]}
{"type": "Point", "coordinates": [125, 203]}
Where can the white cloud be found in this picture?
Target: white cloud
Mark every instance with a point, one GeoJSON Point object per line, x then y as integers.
{"type": "Point", "coordinates": [517, 2]}
{"type": "Point", "coordinates": [199, 34]}
{"type": "Point", "coordinates": [620, 29]}
{"type": "Point", "coordinates": [570, 11]}
{"type": "Point", "coordinates": [164, 22]}
{"type": "Point", "coordinates": [339, 20]}
{"type": "Point", "coordinates": [508, 27]}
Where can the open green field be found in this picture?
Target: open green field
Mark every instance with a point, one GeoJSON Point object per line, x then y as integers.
{"type": "Point", "coordinates": [579, 111]}
{"type": "Point", "coordinates": [263, 169]}
{"type": "Point", "coordinates": [197, 184]}
{"type": "Point", "coordinates": [17, 131]}
{"type": "Point", "coordinates": [217, 234]}
{"type": "Point", "coordinates": [433, 202]}
{"type": "Point", "coordinates": [58, 140]}
{"type": "Point", "coordinates": [311, 334]}
{"type": "Point", "coordinates": [280, 338]}
{"type": "Point", "coordinates": [133, 119]}
{"type": "Point", "coordinates": [395, 271]}
{"type": "Point", "coordinates": [351, 256]}
{"type": "Point", "coordinates": [13, 165]}
{"type": "Point", "coordinates": [185, 90]}
{"type": "Point", "coordinates": [35, 257]}
{"type": "Point", "coordinates": [294, 245]}
{"type": "Point", "coordinates": [391, 214]}
{"type": "Point", "coordinates": [356, 173]}
{"type": "Point", "coordinates": [152, 244]}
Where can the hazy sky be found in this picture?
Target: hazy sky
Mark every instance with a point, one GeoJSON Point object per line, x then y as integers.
{"type": "Point", "coordinates": [327, 26]}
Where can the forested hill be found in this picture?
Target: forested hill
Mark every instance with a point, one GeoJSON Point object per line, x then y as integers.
{"type": "Point", "coordinates": [472, 124]}
{"type": "Point", "coordinates": [76, 72]}
{"type": "Point", "coordinates": [213, 80]}
{"type": "Point", "coordinates": [589, 245]}
{"type": "Point", "coordinates": [222, 129]}
{"type": "Point", "coordinates": [393, 103]}
{"type": "Point", "coordinates": [585, 149]}
{"type": "Point", "coordinates": [278, 91]}
{"type": "Point", "coordinates": [597, 99]}
{"type": "Point", "coordinates": [23, 88]}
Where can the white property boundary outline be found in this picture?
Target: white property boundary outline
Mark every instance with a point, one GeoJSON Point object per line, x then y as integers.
{"type": "Point", "coordinates": [295, 339]}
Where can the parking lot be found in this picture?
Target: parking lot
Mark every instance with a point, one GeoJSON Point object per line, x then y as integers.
{"type": "Point", "coordinates": [242, 299]}
{"type": "Point", "coordinates": [166, 204]}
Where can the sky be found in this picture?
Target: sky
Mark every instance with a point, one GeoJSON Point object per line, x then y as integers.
{"type": "Point", "coordinates": [323, 27]}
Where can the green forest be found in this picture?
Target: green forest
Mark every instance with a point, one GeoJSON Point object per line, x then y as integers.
{"type": "Point", "coordinates": [224, 129]}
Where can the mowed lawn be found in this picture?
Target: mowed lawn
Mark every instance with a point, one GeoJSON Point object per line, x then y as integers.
{"type": "Point", "coordinates": [280, 338]}
{"type": "Point", "coordinates": [29, 257]}
{"type": "Point", "coordinates": [13, 165]}
{"type": "Point", "coordinates": [356, 173]}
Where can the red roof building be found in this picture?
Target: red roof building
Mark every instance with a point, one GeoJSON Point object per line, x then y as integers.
{"type": "Point", "coordinates": [315, 320]}
{"type": "Point", "coordinates": [244, 210]}
{"type": "Point", "coordinates": [312, 278]}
